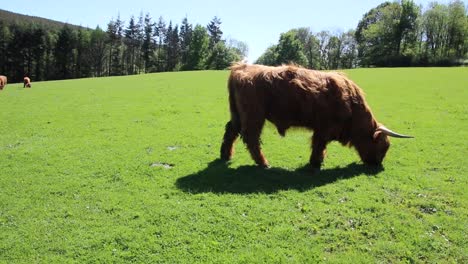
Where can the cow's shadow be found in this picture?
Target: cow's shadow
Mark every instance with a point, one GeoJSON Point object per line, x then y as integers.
{"type": "Point", "coordinates": [218, 177]}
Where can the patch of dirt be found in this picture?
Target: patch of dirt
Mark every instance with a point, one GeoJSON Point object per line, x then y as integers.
{"type": "Point", "coordinates": [162, 165]}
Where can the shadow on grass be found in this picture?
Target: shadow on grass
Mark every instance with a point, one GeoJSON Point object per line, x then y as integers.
{"type": "Point", "coordinates": [219, 178]}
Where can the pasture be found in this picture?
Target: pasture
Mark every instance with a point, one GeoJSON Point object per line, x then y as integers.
{"type": "Point", "coordinates": [125, 169]}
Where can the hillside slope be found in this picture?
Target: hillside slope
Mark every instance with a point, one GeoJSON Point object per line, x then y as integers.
{"type": "Point", "coordinates": [8, 17]}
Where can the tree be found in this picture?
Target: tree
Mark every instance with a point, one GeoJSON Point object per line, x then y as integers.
{"type": "Point", "coordinates": [5, 39]}
{"type": "Point", "coordinates": [198, 49]}
{"type": "Point", "coordinates": [221, 57]}
{"type": "Point", "coordinates": [310, 46]}
{"type": "Point", "coordinates": [16, 51]}
{"type": "Point", "coordinates": [140, 35]}
{"type": "Point", "coordinates": [36, 49]}
{"type": "Point", "coordinates": [239, 47]}
{"type": "Point", "coordinates": [131, 41]}
{"type": "Point", "coordinates": [387, 34]}
{"type": "Point", "coordinates": [147, 46]}
{"type": "Point", "coordinates": [115, 35]}
{"type": "Point", "coordinates": [214, 30]}
{"type": "Point", "coordinates": [97, 51]}
{"type": "Point", "coordinates": [406, 30]}
{"type": "Point", "coordinates": [49, 66]}
{"type": "Point", "coordinates": [348, 58]}
{"type": "Point", "coordinates": [436, 32]}
{"type": "Point", "coordinates": [334, 50]}
{"type": "Point", "coordinates": [323, 39]}
{"type": "Point", "coordinates": [83, 67]}
{"type": "Point", "coordinates": [185, 34]}
{"type": "Point", "coordinates": [160, 34]}
{"type": "Point", "coordinates": [64, 53]}
{"type": "Point", "coordinates": [27, 51]}
{"type": "Point", "coordinates": [290, 49]}
{"type": "Point", "coordinates": [375, 35]}
{"type": "Point", "coordinates": [172, 47]}
{"type": "Point", "coordinates": [269, 57]}
{"type": "Point", "coordinates": [457, 30]}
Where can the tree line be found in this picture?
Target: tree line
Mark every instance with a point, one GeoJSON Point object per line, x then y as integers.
{"type": "Point", "coordinates": [397, 33]}
{"type": "Point", "coordinates": [139, 46]}
{"type": "Point", "coordinates": [391, 34]}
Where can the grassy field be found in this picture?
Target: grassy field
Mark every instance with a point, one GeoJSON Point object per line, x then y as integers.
{"type": "Point", "coordinates": [125, 169]}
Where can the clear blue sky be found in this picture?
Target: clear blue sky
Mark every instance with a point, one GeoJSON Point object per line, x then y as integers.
{"type": "Point", "coordinates": [256, 22]}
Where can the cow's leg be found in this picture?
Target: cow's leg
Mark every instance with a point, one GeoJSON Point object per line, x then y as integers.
{"type": "Point", "coordinates": [251, 137]}
{"type": "Point", "coordinates": [319, 144]}
{"type": "Point", "coordinates": [230, 136]}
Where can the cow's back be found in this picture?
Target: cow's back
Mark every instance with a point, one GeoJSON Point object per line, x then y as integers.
{"type": "Point", "coordinates": [292, 96]}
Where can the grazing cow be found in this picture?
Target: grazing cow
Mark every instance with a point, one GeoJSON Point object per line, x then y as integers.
{"type": "Point", "coordinates": [3, 81]}
{"type": "Point", "coordinates": [328, 103]}
{"type": "Point", "coordinates": [27, 82]}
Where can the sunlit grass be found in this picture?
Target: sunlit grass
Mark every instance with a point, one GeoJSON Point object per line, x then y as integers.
{"type": "Point", "coordinates": [124, 169]}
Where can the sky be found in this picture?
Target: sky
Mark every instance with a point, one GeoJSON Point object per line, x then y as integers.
{"type": "Point", "coordinates": [258, 23]}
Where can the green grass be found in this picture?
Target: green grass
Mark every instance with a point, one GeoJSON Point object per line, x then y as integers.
{"type": "Point", "coordinates": [77, 185]}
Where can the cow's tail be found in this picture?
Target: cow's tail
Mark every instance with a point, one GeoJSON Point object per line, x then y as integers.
{"type": "Point", "coordinates": [235, 118]}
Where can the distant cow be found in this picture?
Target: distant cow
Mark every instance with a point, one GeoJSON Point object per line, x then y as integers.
{"type": "Point", "coordinates": [3, 81]}
{"type": "Point", "coordinates": [328, 103]}
{"type": "Point", "coordinates": [27, 82]}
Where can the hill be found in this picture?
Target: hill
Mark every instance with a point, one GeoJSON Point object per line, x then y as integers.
{"type": "Point", "coordinates": [8, 17]}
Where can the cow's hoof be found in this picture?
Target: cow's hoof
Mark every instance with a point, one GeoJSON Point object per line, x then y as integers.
{"type": "Point", "coordinates": [225, 157]}
{"type": "Point", "coordinates": [314, 168]}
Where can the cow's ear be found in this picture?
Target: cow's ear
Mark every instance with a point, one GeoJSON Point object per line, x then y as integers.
{"type": "Point", "coordinates": [377, 134]}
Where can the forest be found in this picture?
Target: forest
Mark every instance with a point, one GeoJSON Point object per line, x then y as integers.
{"type": "Point", "coordinates": [47, 50]}
{"type": "Point", "coordinates": [393, 34]}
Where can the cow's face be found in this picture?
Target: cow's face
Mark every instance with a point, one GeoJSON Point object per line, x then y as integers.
{"type": "Point", "coordinates": [374, 151]}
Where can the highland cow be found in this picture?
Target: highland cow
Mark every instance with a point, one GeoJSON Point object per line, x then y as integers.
{"type": "Point", "coordinates": [3, 81]}
{"type": "Point", "coordinates": [328, 103]}
{"type": "Point", "coordinates": [27, 82]}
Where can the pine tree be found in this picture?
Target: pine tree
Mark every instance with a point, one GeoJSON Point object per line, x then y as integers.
{"type": "Point", "coordinates": [131, 41]}
{"type": "Point", "coordinates": [15, 52]}
{"type": "Point", "coordinates": [98, 51]}
{"type": "Point", "coordinates": [5, 38]}
{"type": "Point", "coordinates": [111, 38]}
{"type": "Point", "coordinates": [49, 50]}
{"type": "Point", "coordinates": [214, 30]}
{"type": "Point", "coordinates": [64, 56]}
{"type": "Point", "coordinates": [147, 45]}
{"type": "Point", "coordinates": [160, 34]}
{"type": "Point", "coordinates": [37, 48]}
{"type": "Point", "coordinates": [185, 34]}
{"type": "Point", "coordinates": [115, 35]}
{"type": "Point", "coordinates": [167, 46]}
{"type": "Point", "coordinates": [83, 68]}
{"type": "Point", "coordinates": [140, 34]}
{"type": "Point", "coordinates": [172, 47]}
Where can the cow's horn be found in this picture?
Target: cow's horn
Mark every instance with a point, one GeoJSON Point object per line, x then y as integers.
{"type": "Point", "coordinates": [390, 133]}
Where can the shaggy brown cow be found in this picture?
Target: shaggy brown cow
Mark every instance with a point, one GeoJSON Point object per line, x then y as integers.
{"type": "Point", "coordinates": [328, 103]}
{"type": "Point", "coordinates": [3, 81]}
{"type": "Point", "coordinates": [27, 82]}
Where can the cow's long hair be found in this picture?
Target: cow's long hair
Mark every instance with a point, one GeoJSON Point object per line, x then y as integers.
{"type": "Point", "coordinates": [328, 103]}
{"type": "Point", "coordinates": [3, 81]}
{"type": "Point", "coordinates": [26, 82]}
